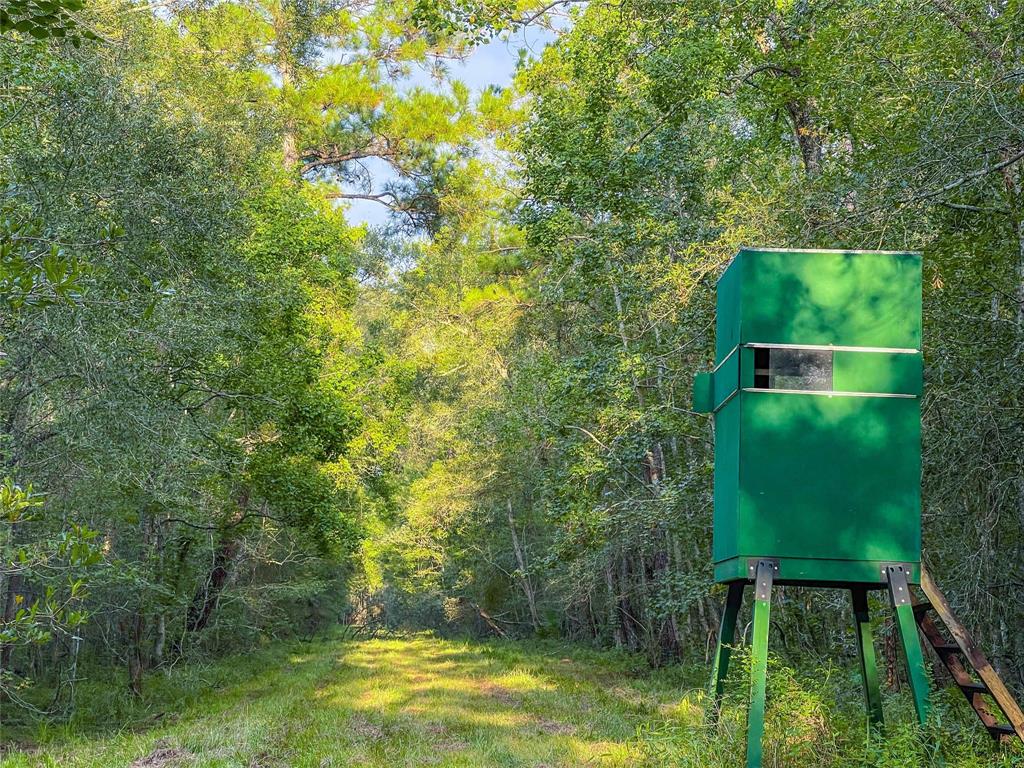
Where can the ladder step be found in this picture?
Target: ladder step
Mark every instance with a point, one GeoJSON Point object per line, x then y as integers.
{"type": "Point", "coordinates": [973, 687]}
{"type": "Point", "coordinates": [1001, 729]}
{"type": "Point", "coordinates": [958, 662]}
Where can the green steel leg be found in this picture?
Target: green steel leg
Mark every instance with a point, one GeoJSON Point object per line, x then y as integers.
{"type": "Point", "coordinates": [866, 648]}
{"type": "Point", "coordinates": [759, 660]}
{"type": "Point", "coordinates": [899, 591]}
{"type": "Point", "coordinates": [726, 636]}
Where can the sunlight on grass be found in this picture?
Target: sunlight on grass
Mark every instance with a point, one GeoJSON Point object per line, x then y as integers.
{"type": "Point", "coordinates": [685, 711]}
{"type": "Point", "coordinates": [421, 701]}
{"type": "Point", "coordinates": [415, 701]}
{"type": "Point", "coordinates": [523, 681]}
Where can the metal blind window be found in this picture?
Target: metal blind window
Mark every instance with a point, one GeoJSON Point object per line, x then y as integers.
{"type": "Point", "coordinates": [799, 369]}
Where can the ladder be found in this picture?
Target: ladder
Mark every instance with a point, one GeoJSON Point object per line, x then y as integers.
{"type": "Point", "coordinates": [959, 654]}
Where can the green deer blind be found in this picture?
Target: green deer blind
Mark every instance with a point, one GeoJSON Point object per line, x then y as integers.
{"type": "Point", "coordinates": [816, 400]}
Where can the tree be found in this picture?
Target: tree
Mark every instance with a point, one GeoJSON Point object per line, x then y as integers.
{"type": "Point", "coordinates": [193, 406]}
{"type": "Point", "coordinates": [337, 68]}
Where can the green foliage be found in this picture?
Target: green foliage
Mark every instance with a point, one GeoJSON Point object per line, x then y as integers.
{"type": "Point", "coordinates": [648, 143]}
{"type": "Point", "coordinates": [59, 612]}
{"type": "Point", "coordinates": [480, 21]}
{"type": "Point", "coordinates": [34, 269]}
{"type": "Point", "coordinates": [182, 370]}
{"type": "Point", "coordinates": [44, 19]}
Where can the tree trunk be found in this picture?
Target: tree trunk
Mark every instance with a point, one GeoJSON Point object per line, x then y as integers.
{"type": "Point", "coordinates": [286, 71]}
{"type": "Point", "coordinates": [524, 577]}
{"type": "Point", "coordinates": [289, 147]}
{"type": "Point", "coordinates": [135, 627]}
{"type": "Point", "coordinates": [627, 619]}
{"type": "Point", "coordinates": [161, 641]}
{"type": "Point", "coordinates": [614, 620]}
{"type": "Point", "coordinates": [208, 594]}
{"type": "Point", "coordinates": [10, 606]}
{"type": "Point", "coordinates": [807, 136]}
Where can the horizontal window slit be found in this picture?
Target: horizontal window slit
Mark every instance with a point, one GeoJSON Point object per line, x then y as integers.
{"type": "Point", "coordinates": [793, 369]}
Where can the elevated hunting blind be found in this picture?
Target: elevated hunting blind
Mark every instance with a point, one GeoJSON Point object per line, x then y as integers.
{"type": "Point", "coordinates": [815, 394]}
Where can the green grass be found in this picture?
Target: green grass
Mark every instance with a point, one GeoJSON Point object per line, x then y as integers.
{"type": "Point", "coordinates": [423, 701]}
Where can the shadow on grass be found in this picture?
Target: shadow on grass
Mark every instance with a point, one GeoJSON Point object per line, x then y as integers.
{"type": "Point", "coordinates": [103, 705]}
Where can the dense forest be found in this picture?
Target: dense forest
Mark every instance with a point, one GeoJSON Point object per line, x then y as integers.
{"type": "Point", "coordinates": [232, 413]}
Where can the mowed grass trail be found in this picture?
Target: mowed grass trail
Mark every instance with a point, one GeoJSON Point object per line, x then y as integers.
{"type": "Point", "coordinates": [419, 701]}
{"type": "Point", "coordinates": [422, 701]}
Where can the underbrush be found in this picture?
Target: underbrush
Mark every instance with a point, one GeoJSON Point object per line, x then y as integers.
{"type": "Point", "coordinates": [816, 719]}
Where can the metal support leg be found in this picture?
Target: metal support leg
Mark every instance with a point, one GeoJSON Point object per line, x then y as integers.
{"type": "Point", "coordinates": [759, 660]}
{"type": "Point", "coordinates": [866, 649]}
{"type": "Point", "coordinates": [899, 591]}
{"type": "Point", "coordinates": [726, 636]}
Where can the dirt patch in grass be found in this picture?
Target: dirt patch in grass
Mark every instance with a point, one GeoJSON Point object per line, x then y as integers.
{"type": "Point", "coordinates": [498, 693]}
{"type": "Point", "coordinates": [555, 728]}
{"type": "Point", "coordinates": [365, 729]}
{"type": "Point", "coordinates": [162, 757]}
{"type": "Point", "coordinates": [449, 745]}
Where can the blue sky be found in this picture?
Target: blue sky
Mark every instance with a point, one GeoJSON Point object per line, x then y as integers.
{"type": "Point", "coordinates": [490, 64]}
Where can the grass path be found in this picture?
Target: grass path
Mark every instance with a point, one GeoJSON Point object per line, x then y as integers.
{"type": "Point", "coordinates": [419, 701]}
{"type": "Point", "coordinates": [422, 701]}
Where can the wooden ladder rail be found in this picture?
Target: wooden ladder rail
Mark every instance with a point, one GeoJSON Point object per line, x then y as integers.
{"type": "Point", "coordinates": [965, 647]}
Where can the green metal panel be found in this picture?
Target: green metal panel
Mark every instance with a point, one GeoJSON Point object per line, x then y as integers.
{"type": "Point", "coordinates": [727, 378]}
{"type": "Point", "coordinates": [727, 476]}
{"type": "Point", "coordinates": [703, 393]}
{"type": "Point", "coordinates": [812, 571]}
{"type": "Point", "coordinates": [829, 477]}
{"type": "Point", "coordinates": [727, 318]}
{"type": "Point", "coordinates": [845, 298]}
{"type": "Point", "coordinates": [876, 372]}
{"type": "Point", "coordinates": [746, 367]}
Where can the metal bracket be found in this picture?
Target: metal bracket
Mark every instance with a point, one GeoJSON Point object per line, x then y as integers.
{"type": "Point", "coordinates": [896, 575]}
{"type": "Point", "coordinates": [764, 577]}
{"type": "Point", "coordinates": [908, 570]}
{"type": "Point", "coordinates": [754, 562]}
